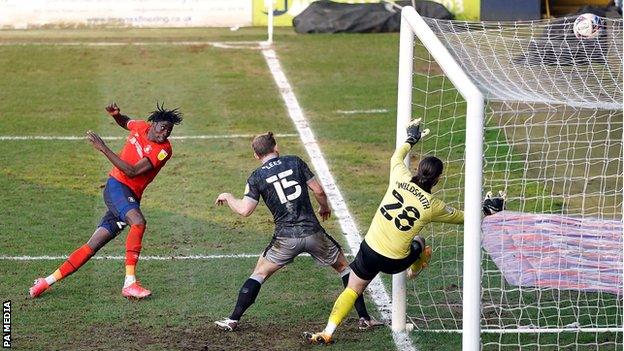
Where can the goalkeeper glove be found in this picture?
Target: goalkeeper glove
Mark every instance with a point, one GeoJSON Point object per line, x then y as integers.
{"type": "Point", "coordinates": [492, 205]}
{"type": "Point", "coordinates": [414, 133]}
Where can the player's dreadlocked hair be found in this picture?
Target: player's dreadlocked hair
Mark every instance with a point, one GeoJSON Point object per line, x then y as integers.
{"type": "Point", "coordinates": [161, 114]}
{"type": "Point", "coordinates": [429, 169]}
{"type": "Point", "coordinates": [263, 144]}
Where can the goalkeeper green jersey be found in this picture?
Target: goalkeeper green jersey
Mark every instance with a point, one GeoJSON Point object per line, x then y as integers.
{"type": "Point", "coordinates": [404, 210]}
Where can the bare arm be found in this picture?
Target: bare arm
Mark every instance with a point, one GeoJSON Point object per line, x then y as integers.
{"type": "Point", "coordinates": [321, 198]}
{"type": "Point", "coordinates": [243, 207]}
{"type": "Point", "coordinates": [131, 171]}
{"type": "Point", "coordinates": [114, 111]}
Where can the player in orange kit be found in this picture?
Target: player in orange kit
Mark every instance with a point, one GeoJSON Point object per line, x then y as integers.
{"type": "Point", "coordinates": [145, 152]}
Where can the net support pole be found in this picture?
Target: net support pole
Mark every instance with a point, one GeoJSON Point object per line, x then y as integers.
{"type": "Point", "coordinates": [404, 115]}
{"type": "Point", "coordinates": [471, 299]}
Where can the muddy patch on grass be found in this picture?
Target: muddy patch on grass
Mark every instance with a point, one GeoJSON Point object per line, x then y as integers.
{"type": "Point", "coordinates": [252, 334]}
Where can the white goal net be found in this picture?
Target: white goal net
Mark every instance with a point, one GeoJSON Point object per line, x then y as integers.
{"type": "Point", "coordinates": [551, 264]}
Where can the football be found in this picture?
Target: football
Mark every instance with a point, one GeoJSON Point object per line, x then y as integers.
{"type": "Point", "coordinates": [587, 26]}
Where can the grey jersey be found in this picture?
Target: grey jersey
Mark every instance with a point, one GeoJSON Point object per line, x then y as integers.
{"type": "Point", "coordinates": [282, 184]}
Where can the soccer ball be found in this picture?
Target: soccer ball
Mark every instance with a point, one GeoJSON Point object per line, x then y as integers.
{"type": "Point", "coordinates": [587, 26]}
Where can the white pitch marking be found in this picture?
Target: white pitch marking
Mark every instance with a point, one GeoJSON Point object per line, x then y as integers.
{"type": "Point", "coordinates": [149, 258]}
{"type": "Point", "coordinates": [376, 288]}
{"type": "Point", "coordinates": [353, 112]}
{"type": "Point", "coordinates": [181, 137]}
{"type": "Point", "coordinates": [254, 45]}
{"type": "Point", "coordinates": [237, 45]}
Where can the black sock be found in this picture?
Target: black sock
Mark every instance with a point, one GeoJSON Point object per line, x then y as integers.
{"type": "Point", "coordinates": [246, 297]}
{"type": "Point", "coordinates": [360, 307]}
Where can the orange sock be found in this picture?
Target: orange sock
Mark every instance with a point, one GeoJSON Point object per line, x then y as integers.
{"type": "Point", "coordinates": [130, 269]}
{"type": "Point", "coordinates": [74, 261]}
{"type": "Point", "coordinates": [133, 244]}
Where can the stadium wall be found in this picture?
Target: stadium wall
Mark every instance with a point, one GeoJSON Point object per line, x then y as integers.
{"type": "Point", "coordinates": [19, 14]}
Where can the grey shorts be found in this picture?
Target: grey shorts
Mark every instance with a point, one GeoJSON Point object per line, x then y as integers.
{"type": "Point", "coordinates": [322, 247]}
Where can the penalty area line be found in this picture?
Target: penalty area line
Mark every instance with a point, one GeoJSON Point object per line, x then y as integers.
{"type": "Point", "coordinates": [174, 137]}
{"type": "Point", "coordinates": [250, 45]}
{"type": "Point", "coordinates": [376, 289]}
{"type": "Point", "coordinates": [146, 258]}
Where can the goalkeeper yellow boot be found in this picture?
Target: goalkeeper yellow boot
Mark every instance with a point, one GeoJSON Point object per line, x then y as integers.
{"type": "Point", "coordinates": [318, 338]}
{"type": "Point", "coordinates": [421, 263]}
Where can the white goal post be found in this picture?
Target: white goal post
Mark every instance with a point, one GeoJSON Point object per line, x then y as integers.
{"type": "Point", "coordinates": [412, 23]}
{"type": "Point", "coordinates": [535, 110]}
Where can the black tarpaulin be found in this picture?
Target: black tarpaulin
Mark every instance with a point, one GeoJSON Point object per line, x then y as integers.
{"type": "Point", "coordinates": [334, 17]}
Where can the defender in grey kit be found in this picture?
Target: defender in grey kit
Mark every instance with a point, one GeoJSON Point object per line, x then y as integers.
{"type": "Point", "coordinates": [283, 183]}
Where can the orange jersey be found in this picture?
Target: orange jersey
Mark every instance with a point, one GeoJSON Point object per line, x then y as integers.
{"type": "Point", "coordinates": [136, 148]}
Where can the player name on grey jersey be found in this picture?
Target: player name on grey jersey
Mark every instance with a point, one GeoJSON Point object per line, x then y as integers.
{"type": "Point", "coordinates": [282, 184]}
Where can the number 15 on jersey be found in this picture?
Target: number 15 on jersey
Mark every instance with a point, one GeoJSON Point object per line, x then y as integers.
{"type": "Point", "coordinates": [281, 182]}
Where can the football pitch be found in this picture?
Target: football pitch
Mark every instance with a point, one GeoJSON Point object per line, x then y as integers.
{"type": "Point", "coordinates": [52, 181]}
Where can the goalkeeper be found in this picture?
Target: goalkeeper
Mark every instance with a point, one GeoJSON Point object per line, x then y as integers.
{"type": "Point", "coordinates": [392, 244]}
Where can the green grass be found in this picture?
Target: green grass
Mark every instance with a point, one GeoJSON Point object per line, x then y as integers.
{"type": "Point", "coordinates": [86, 312]}
{"type": "Point", "coordinates": [51, 190]}
{"type": "Point", "coordinates": [52, 197]}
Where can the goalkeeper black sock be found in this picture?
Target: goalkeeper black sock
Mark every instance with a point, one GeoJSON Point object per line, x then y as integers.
{"type": "Point", "coordinates": [246, 297]}
{"type": "Point", "coordinates": [360, 307]}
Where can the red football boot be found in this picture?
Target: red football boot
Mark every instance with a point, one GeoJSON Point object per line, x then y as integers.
{"type": "Point", "coordinates": [135, 291]}
{"type": "Point", "coordinates": [39, 286]}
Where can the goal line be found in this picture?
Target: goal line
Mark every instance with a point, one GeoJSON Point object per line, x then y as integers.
{"type": "Point", "coordinates": [528, 330]}
{"type": "Point", "coordinates": [254, 45]}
